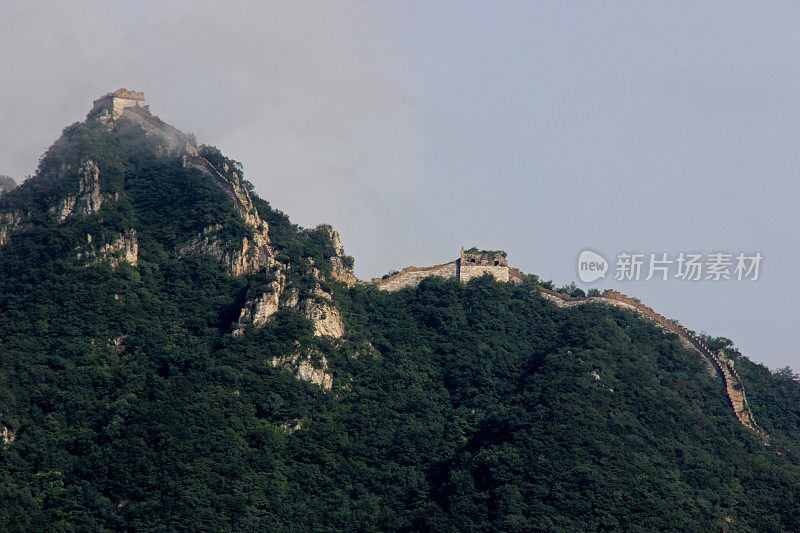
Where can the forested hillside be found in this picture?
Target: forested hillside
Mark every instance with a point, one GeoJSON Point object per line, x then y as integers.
{"type": "Point", "coordinates": [138, 392]}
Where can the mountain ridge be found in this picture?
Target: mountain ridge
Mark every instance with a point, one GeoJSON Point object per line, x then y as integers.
{"type": "Point", "coordinates": [175, 353]}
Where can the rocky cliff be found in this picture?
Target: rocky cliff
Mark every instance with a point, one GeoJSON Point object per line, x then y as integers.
{"type": "Point", "coordinates": [78, 189]}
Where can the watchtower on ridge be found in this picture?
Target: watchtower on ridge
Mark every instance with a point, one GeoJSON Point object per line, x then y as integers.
{"type": "Point", "coordinates": [117, 102]}
{"type": "Point", "coordinates": [474, 263]}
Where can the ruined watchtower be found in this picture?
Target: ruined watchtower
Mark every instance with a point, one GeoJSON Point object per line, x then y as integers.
{"type": "Point", "coordinates": [118, 101]}
{"type": "Point", "coordinates": [474, 263]}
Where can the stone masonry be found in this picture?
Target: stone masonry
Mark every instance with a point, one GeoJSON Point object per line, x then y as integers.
{"type": "Point", "coordinates": [475, 263]}
{"type": "Point", "coordinates": [472, 263]}
{"type": "Point", "coordinates": [118, 101]}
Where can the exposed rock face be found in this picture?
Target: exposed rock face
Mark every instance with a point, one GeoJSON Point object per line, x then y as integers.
{"type": "Point", "coordinates": [291, 426]}
{"type": "Point", "coordinates": [292, 298]}
{"type": "Point", "coordinates": [302, 365]}
{"type": "Point", "coordinates": [88, 200]}
{"type": "Point", "coordinates": [341, 272]}
{"type": "Point", "coordinates": [123, 249]}
{"type": "Point", "coordinates": [319, 308]}
{"type": "Point", "coordinates": [326, 318]}
{"type": "Point", "coordinates": [253, 256]}
{"type": "Point", "coordinates": [259, 311]}
{"type": "Point", "coordinates": [265, 307]}
{"type": "Point", "coordinates": [7, 435]}
{"type": "Point", "coordinates": [257, 253]}
{"type": "Point", "coordinates": [8, 223]}
{"type": "Point", "coordinates": [208, 242]}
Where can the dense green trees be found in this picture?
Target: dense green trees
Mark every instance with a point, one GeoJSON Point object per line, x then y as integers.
{"type": "Point", "coordinates": [579, 419]}
{"type": "Point", "coordinates": [455, 407]}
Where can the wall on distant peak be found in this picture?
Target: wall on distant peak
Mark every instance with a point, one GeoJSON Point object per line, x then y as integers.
{"type": "Point", "coordinates": [118, 101]}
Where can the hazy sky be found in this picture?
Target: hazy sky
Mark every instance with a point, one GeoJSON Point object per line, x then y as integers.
{"type": "Point", "coordinates": [541, 128]}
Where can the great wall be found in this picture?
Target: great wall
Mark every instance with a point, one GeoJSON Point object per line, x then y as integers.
{"type": "Point", "coordinates": [117, 102]}
{"type": "Point", "coordinates": [721, 362]}
{"type": "Point", "coordinates": [471, 263]}
{"type": "Point", "coordinates": [475, 263]}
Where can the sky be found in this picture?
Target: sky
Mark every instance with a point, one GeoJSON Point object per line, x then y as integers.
{"type": "Point", "coordinates": [415, 128]}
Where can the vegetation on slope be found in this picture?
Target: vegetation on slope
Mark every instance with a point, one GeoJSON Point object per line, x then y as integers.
{"type": "Point", "coordinates": [455, 407]}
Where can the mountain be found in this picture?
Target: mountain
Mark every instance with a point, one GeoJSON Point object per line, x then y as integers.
{"type": "Point", "coordinates": [175, 354]}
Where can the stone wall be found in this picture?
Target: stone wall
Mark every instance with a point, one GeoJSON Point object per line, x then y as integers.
{"type": "Point", "coordinates": [118, 101]}
{"type": "Point", "coordinates": [475, 263]}
{"type": "Point", "coordinates": [471, 264]}
{"type": "Point", "coordinates": [412, 276]}
{"type": "Point", "coordinates": [734, 387]}
{"type": "Point", "coordinates": [467, 272]}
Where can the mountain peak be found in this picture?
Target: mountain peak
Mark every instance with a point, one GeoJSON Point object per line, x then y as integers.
{"type": "Point", "coordinates": [128, 104]}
